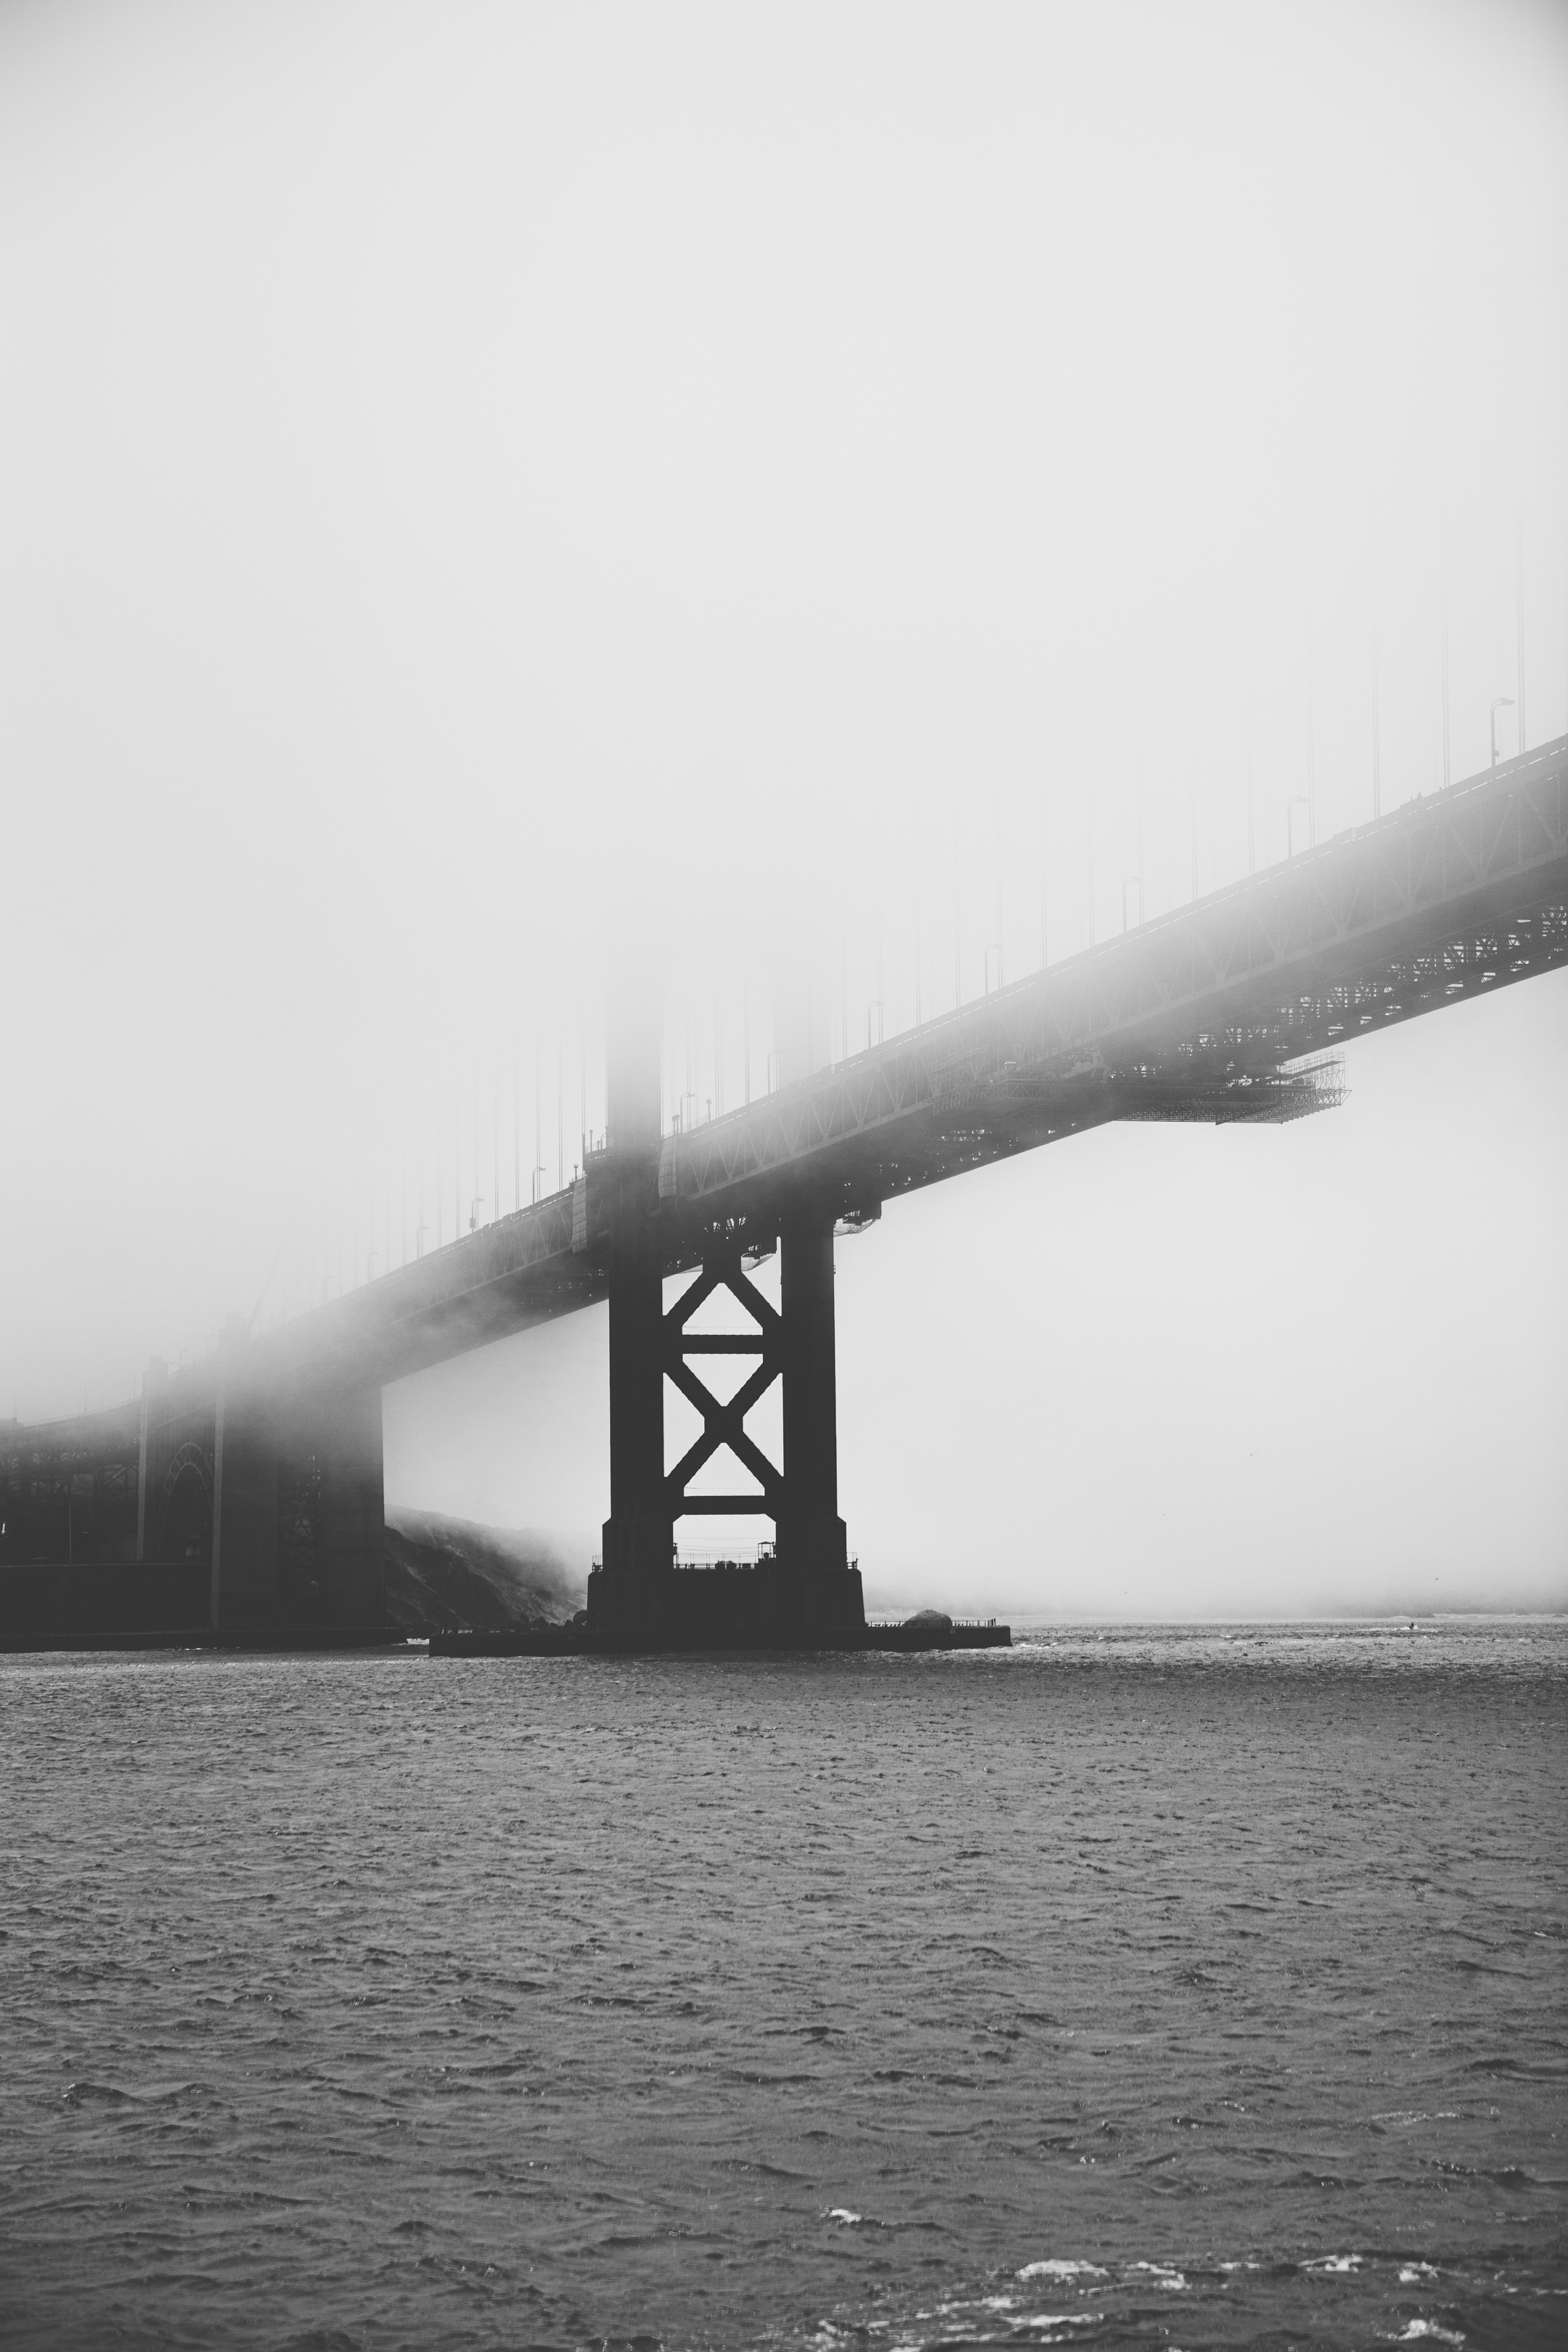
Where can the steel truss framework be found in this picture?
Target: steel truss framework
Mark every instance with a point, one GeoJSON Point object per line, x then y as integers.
{"type": "Point", "coordinates": [724, 1425]}
{"type": "Point", "coordinates": [1211, 1012]}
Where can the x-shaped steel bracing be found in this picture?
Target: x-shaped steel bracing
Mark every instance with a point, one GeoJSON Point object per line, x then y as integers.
{"type": "Point", "coordinates": [724, 1424]}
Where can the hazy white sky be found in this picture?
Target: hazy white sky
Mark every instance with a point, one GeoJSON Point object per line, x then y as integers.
{"type": "Point", "coordinates": [459, 468]}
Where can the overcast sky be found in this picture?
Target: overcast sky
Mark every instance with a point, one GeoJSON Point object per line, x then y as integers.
{"type": "Point", "coordinates": [852, 477]}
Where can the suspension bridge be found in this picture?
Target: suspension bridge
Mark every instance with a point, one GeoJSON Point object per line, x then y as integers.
{"type": "Point", "coordinates": [260, 1464]}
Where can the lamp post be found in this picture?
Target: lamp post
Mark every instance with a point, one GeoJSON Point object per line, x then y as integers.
{"type": "Point", "coordinates": [1500, 702]}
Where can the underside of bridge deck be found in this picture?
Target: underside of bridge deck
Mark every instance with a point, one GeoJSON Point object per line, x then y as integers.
{"type": "Point", "coordinates": [1233, 1010]}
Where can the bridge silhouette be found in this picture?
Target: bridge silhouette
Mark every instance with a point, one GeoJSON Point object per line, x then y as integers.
{"type": "Point", "coordinates": [260, 1465]}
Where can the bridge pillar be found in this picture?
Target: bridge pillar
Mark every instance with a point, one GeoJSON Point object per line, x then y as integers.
{"type": "Point", "coordinates": [637, 1534]}
{"type": "Point", "coordinates": [351, 1534]}
{"type": "Point", "coordinates": [630, 1600]}
{"type": "Point", "coordinates": [818, 1591]}
{"type": "Point", "coordinates": [245, 1497]}
{"type": "Point", "coordinates": [806, 1594]}
{"type": "Point", "coordinates": [299, 1506]}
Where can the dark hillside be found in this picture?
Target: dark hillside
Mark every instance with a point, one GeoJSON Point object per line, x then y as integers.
{"type": "Point", "coordinates": [452, 1573]}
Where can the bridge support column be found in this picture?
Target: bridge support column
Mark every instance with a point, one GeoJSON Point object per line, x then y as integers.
{"type": "Point", "coordinates": [298, 1506]}
{"type": "Point", "coordinates": [819, 1593]}
{"type": "Point", "coordinates": [806, 1595]}
{"type": "Point", "coordinates": [628, 1597]}
{"type": "Point", "coordinates": [245, 1495]}
{"type": "Point", "coordinates": [638, 1532]}
{"type": "Point", "coordinates": [351, 1535]}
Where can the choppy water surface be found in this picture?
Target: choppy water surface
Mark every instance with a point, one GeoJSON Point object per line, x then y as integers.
{"type": "Point", "coordinates": [1190, 1988]}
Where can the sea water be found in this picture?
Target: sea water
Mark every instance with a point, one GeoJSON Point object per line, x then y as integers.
{"type": "Point", "coordinates": [1190, 1988]}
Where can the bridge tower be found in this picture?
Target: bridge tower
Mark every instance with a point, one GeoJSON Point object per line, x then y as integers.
{"type": "Point", "coordinates": [812, 1542]}
{"type": "Point", "coordinates": [637, 1533]}
{"type": "Point", "coordinates": [806, 1595]}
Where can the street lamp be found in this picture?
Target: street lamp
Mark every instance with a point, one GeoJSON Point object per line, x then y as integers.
{"type": "Point", "coordinates": [1500, 702]}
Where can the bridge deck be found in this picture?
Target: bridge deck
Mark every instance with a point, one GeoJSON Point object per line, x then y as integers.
{"type": "Point", "coordinates": [1199, 1014]}
{"type": "Point", "coordinates": [1213, 1012]}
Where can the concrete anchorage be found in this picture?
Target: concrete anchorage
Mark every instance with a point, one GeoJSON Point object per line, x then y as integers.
{"type": "Point", "coordinates": [278, 1492]}
{"type": "Point", "coordinates": [806, 1596]}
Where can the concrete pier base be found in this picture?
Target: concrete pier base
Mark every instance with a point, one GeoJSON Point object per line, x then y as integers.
{"type": "Point", "coordinates": [762, 1607]}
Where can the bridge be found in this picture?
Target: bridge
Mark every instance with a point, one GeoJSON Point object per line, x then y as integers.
{"type": "Point", "coordinates": [261, 1464]}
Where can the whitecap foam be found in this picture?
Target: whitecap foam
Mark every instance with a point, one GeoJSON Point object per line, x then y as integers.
{"type": "Point", "coordinates": [1056, 2267]}
{"type": "Point", "coordinates": [841, 2214]}
{"type": "Point", "coordinates": [1413, 2273]}
{"type": "Point", "coordinates": [1163, 2275]}
{"type": "Point", "coordinates": [1426, 2331]}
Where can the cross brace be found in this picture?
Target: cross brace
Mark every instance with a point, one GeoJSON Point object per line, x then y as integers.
{"type": "Point", "coordinates": [724, 1424]}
